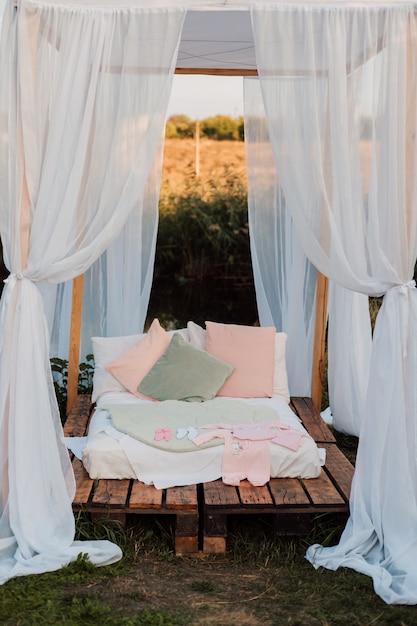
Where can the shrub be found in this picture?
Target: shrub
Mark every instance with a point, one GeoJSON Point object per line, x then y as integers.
{"type": "Point", "coordinates": [179, 126]}
{"type": "Point", "coordinates": [221, 127]}
{"type": "Point", "coordinates": [59, 369]}
{"type": "Point", "coordinates": [204, 231]}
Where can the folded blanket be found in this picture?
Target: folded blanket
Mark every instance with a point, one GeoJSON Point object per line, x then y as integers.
{"type": "Point", "coordinates": [171, 424]}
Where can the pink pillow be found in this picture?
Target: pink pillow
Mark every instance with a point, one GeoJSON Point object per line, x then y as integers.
{"type": "Point", "coordinates": [251, 350]}
{"type": "Point", "coordinates": [133, 365]}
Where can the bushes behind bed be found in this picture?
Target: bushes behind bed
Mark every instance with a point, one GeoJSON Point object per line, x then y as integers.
{"type": "Point", "coordinates": [59, 369]}
{"type": "Point", "coordinates": [204, 231]}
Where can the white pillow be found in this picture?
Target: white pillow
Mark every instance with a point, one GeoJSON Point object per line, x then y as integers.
{"type": "Point", "coordinates": [280, 380]}
{"type": "Point", "coordinates": [181, 331]}
{"type": "Point", "coordinates": [197, 336]}
{"type": "Point", "coordinates": [105, 351]}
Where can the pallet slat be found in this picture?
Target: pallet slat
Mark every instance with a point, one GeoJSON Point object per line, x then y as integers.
{"type": "Point", "coordinates": [218, 494]}
{"type": "Point", "coordinates": [182, 498]}
{"type": "Point", "coordinates": [254, 496]}
{"type": "Point", "coordinates": [83, 483]}
{"type": "Point", "coordinates": [322, 491]}
{"type": "Point", "coordinates": [77, 419]}
{"type": "Point", "coordinates": [111, 493]}
{"type": "Point", "coordinates": [145, 496]}
{"type": "Point", "coordinates": [340, 468]}
{"type": "Point", "coordinates": [312, 420]}
{"type": "Point", "coordinates": [288, 492]}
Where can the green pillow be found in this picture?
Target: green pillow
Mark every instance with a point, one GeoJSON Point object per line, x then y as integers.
{"type": "Point", "coordinates": [185, 373]}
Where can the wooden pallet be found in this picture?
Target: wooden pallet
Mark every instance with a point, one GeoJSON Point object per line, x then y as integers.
{"type": "Point", "coordinates": [291, 501]}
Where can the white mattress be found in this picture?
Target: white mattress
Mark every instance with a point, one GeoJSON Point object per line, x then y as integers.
{"type": "Point", "coordinates": [109, 453]}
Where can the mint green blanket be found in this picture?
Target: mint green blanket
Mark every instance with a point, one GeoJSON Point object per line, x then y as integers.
{"type": "Point", "coordinates": [143, 421]}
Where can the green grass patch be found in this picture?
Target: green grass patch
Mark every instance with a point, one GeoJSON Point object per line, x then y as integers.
{"type": "Point", "coordinates": [262, 579]}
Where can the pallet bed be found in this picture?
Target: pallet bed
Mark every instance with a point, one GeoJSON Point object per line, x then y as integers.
{"type": "Point", "coordinates": [201, 511]}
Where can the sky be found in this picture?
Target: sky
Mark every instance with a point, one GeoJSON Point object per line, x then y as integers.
{"type": "Point", "coordinates": [205, 96]}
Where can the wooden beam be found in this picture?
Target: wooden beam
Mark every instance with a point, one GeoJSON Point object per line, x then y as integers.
{"type": "Point", "coordinates": [211, 71]}
{"type": "Point", "coordinates": [74, 341]}
{"type": "Point", "coordinates": [319, 340]}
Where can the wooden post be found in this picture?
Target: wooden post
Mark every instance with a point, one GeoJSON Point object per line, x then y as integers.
{"type": "Point", "coordinates": [319, 340]}
{"type": "Point", "coordinates": [197, 148]}
{"type": "Point", "coordinates": [74, 341]}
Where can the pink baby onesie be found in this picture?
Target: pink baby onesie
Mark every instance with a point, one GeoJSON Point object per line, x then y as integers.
{"type": "Point", "coordinates": [246, 449]}
{"type": "Point", "coordinates": [241, 458]}
{"type": "Point", "coordinates": [275, 431]}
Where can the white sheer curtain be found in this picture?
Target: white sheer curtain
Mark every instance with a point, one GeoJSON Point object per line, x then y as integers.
{"type": "Point", "coordinates": [2, 7]}
{"type": "Point", "coordinates": [314, 97]}
{"type": "Point", "coordinates": [83, 103]}
{"type": "Point", "coordinates": [349, 326]}
{"type": "Point", "coordinates": [284, 279]}
{"type": "Point", "coordinates": [122, 274]}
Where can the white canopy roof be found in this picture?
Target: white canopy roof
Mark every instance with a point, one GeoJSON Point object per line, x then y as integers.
{"type": "Point", "coordinates": [216, 37]}
{"type": "Point", "coordinates": [220, 40]}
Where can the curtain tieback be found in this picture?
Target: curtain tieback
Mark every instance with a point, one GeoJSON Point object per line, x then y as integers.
{"type": "Point", "coordinates": [410, 285]}
{"type": "Point", "coordinates": [403, 290]}
{"type": "Point", "coordinates": [13, 276]}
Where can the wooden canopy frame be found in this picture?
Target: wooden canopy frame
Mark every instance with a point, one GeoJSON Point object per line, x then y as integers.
{"type": "Point", "coordinates": [318, 351]}
{"type": "Point", "coordinates": [321, 301]}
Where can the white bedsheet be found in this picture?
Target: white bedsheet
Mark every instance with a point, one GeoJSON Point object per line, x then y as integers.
{"type": "Point", "coordinates": [110, 453]}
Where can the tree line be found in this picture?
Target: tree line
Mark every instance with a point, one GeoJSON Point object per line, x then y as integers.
{"type": "Point", "coordinates": [218, 127]}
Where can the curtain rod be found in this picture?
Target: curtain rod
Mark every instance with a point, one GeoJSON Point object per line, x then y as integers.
{"type": "Point", "coordinates": [236, 5]}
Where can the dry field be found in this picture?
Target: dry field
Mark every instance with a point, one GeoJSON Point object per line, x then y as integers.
{"type": "Point", "coordinates": [180, 161]}
{"type": "Point", "coordinates": [218, 156]}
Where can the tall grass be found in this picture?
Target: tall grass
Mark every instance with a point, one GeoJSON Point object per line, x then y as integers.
{"type": "Point", "coordinates": [204, 231]}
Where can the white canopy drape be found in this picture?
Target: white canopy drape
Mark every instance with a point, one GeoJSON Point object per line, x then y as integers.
{"type": "Point", "coordinates": [122, 274]}
{"type": "Point", "coordinates": [349, 325]}
{"type": "Point", "coordinates": [83, 104]}
{"type": "Point", "coordinates": [314, 97]}
{"type": "Point", "coordinates": [284, 279]}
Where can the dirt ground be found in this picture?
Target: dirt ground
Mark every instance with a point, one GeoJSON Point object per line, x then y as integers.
{"type": "Point", "coordinates": [208, 592]}
{"type": "Point", "coordinates": [217, 591]}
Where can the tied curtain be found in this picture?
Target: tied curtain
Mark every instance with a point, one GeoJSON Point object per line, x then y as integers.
{"type": "Point", "coordinates": [319, 95]}
{"type": "Point", "coordinates": [82, 110]}
{"type": "Point", "coordinates": [285, 280]}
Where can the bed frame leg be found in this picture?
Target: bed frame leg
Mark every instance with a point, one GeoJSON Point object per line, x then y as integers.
{"type": "Point", "coordinates": [186, 533]}
{"type": "Point", "coordinates": [215, 533]}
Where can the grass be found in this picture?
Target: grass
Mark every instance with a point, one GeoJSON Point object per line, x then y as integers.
{"type": "Point", "coordinates": [262, 579]}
